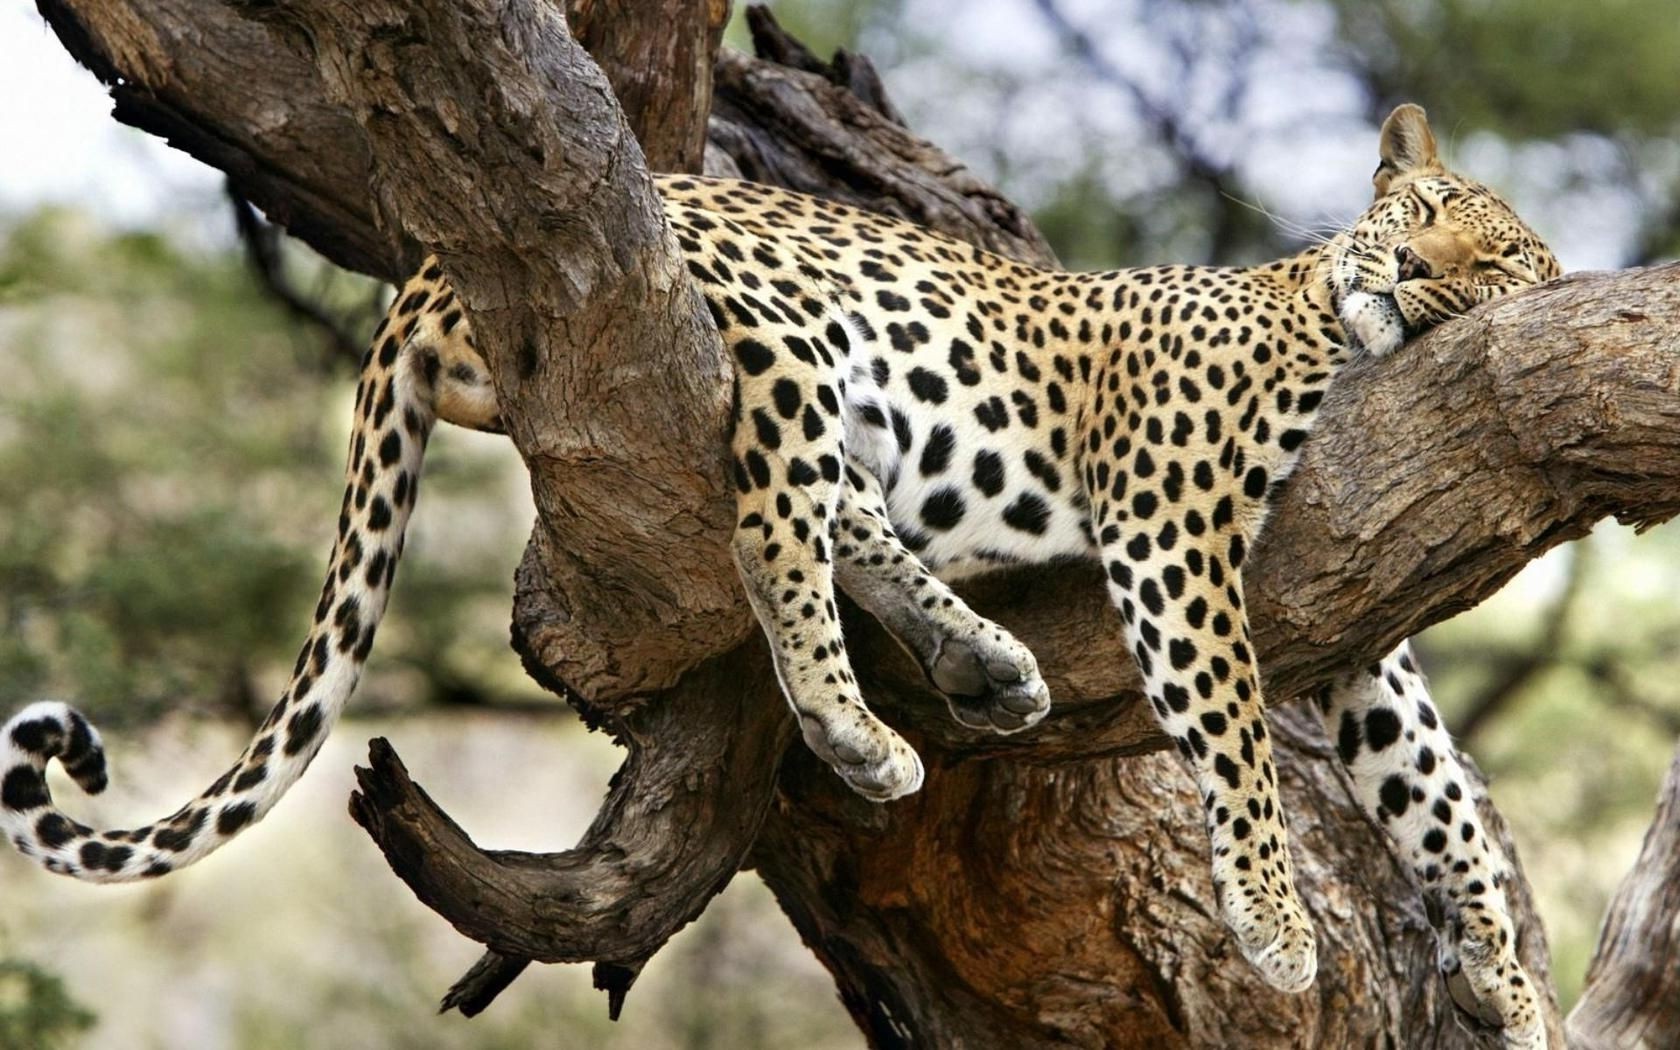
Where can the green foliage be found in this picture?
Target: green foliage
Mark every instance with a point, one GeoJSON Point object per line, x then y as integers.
{"type": "Point", "coordinates": [1527, 69]}
{"type": "Point", "coordinates": [821, 25]}
{"type": "Point", "coordinates": [36, 1012]}
{"type": "Point", "coordinates": [173, 444]}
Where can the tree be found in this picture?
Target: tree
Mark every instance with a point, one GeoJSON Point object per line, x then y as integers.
{"type": "Point", "coordinates": [1040, 891]}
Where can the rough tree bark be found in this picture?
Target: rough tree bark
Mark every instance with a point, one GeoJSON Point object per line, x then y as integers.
{"type": "Point", "coordinates": [1632, 996]}
{"type": "Point", "coordinates": [1042, 890]}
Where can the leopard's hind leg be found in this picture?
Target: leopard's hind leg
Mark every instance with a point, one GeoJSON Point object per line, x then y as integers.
{"type": "Point", "coordinates": [990, 679]}
{"type": "Point", "coordinates": [1407, 775]}
{"type": "Point", "coordinates": [788, 452]}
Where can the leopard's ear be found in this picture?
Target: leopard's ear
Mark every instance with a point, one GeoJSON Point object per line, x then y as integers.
{"type": "Point", "coordinates": [1407, 148]}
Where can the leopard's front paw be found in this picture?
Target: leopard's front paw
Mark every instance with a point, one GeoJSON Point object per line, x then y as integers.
{"type": "Point", "coordinates": [990, 680]}
{"type": "Point", "coordinates": [872, 759]}
{"type": "Point", "coordinates": [1274, 935]}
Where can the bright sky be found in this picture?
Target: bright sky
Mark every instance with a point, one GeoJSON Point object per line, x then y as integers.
{"type": "Point", "coordinates": [63, 146]}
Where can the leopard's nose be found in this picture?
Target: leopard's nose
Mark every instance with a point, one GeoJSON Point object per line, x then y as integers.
{"type": "Point", "coordinates": [1412, 266]}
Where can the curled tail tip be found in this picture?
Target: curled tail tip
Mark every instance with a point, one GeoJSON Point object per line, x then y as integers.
{"type": "Point", "coordinates": [51, 729]}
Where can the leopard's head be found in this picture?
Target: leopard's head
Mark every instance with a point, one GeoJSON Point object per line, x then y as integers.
{"type": "Point", "coordinates": [1431, 246]}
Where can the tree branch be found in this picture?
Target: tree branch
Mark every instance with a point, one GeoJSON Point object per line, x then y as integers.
{"type": "Point", "coordinates": [262, 256]}
{"type": "Point", "coordinates": [1632, 993]}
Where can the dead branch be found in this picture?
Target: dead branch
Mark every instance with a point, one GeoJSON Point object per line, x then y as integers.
{"type": "Point", "coordinates": [263, 258]}
{"type": "Point", "coordinates": [1632, 993]}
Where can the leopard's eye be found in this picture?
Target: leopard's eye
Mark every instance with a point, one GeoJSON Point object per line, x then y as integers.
{"type": "Point", "coordinates": [1427, 209]}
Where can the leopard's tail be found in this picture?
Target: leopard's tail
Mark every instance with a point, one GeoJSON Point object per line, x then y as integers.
{"type": "Point", "coordinates": [395, 412]}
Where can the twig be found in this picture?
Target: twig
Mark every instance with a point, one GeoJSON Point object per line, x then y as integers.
{"type": "Point", "coordinates": [262, 253]}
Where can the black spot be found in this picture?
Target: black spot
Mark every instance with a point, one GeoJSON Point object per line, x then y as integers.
{"type": "Point", "coordinates": [1176, 696]}
{"type": "Point", "coordinates": [1227, 769]}
{"type": "Point", "coordinates": [390, 448]}
{"type": "Point", "coordinates": [1214, 722]}
{"type": "Point", "coordinates": [1182, 652]}
{"type": "Point", "coordinates": [1121, 574]}
{"type": "Point", "coordinates": [769, 434]}
{"type": "Point", "coordinates": [1435, 841]}
{"type": "Point", "coordinates": [928, 387]}
{"type": "Point", "coordinates": [234, 817]}
{"type": "Point", "coordinates": [37, 736]}
{"type": "Point", "coordinates": [811, 424]}
{"type": "Point", "coordinates": [379, 514]}
{"type": "Point", "coordinates": [1395, 795]}
{"type": "Point", "coordinates": [962, 363]}
{"type": "Point", "coordinates": [1254, 484]}
{"type": "Point", "coordinates": [1043, 470]}
{"type": "Point", "coordinates": [1028, 513]}
{"type": "Point", "coordinates": [1348, 738]}
{"type": "Point", "coordinates": [1026, 409]}
{"type": "Point", "coordinates": [786, 396]}
{"type": "Point", "coordinates": [181, 830]}
{"type": "Point", "coordinates": [754, 356]}
{"type": "Point", "coordinates": [759, 468]}
{"type": "Point", "coordinates": [944, 509]}
{"type": "Point", "coordinates": [988, 472]}
{"type": "Point", "coordinates": [936, 454]}
{"type": "Point", "coordinates": [1222, 512]}
{"type": "Point", "coordinates": [1382, 728]}
{"type": "Point", "coordinates": [992, 414]}
{"type": "Point", "coordinates": [303, 728]}
{"type": "Point", "coordinates": [376, 568]}
{"type": "Point", "coordinates": [250, 778]}
{"type": "Point", "coordinates": [901, 430]}
{"type": "Point", "coordinates": [837, 335]}
{"type": "Point", "coordinates": [24, 788]}
{"type": "Point", "coordinates": [1150, 594]}
{"type": "Point", "coordinates": [800, 472]}
{"type": "Point", "coordinates": [348, 617]}
{"type": "Point", "coordinates": [54, 830]}
{"type": "Point", "coordinates": [93, 856]}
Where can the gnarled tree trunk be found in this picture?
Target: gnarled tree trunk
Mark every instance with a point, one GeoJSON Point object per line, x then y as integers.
{"type": "Point", "coordinates": [1043, 890]}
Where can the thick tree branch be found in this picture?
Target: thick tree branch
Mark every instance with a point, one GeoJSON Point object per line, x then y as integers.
{"type": "Point", "coordinates": [245, 98]}
{"type": "Point", "coordinates": [658, 55]}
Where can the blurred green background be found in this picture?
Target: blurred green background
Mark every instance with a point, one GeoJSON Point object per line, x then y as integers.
{"type": "Point", "coordinates": [170, 433]}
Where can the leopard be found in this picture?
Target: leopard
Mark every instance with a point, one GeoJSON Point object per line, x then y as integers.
{"type": "Point", "coordinates": [908, 410]}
